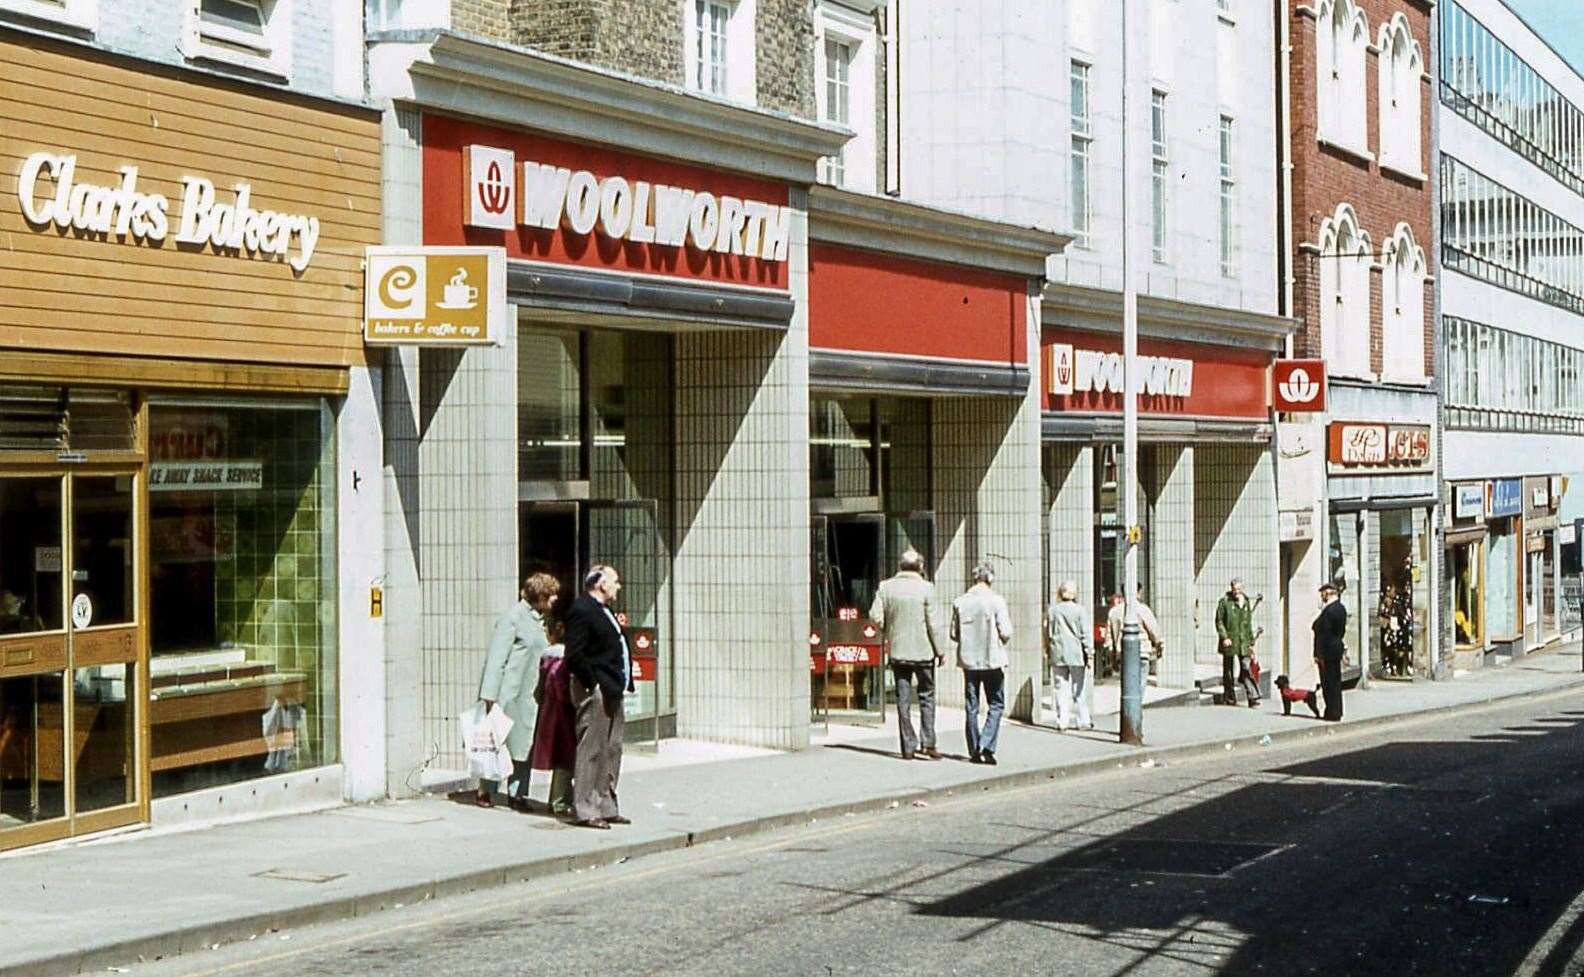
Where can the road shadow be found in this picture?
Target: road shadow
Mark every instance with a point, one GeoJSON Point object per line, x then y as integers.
{"type": "Point", "coordinates": [1404, 858]}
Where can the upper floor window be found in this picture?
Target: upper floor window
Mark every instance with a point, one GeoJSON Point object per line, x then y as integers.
{"type": "Point", "coordinates": [1082, 145]}
{"type": "Point", "coordinates": [837, 106]}
{"type": "Point", "coordinates": [1160, 203]}
{"type": "Point", "coordinates": [1403, 311]}
{"type": "Point", "coordinates": [1228, 222]}
{"type": "Point", "coordinates": [1344, 261]}
{"type": "Point", "coordinates": [251, 34]}
{"type": "Point", "coordinates": [1401, 65]}
{"type": "Point", "coordinates": [1341, 35]}
{"type": "Point", "coordinates": [1485, 82]}
{"type": "Point", "coordinates": [79, 14]}
{"type": "Point", "coordinates": [845, 48]}
{"type": "Point", "coordinates": [718, 49]}
{"type": "Point", "coordinates": [710, 18]}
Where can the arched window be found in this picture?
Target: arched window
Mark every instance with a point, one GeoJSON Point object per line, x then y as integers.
{"type": "Point", "coordinates": [1403, 318]}
{"type": "Point", "coordinates": [1401, 65]}
{"type": "Point", "coordinates": [1344, 294]}
{"type": "Point", "coordinates": [1341, 35]}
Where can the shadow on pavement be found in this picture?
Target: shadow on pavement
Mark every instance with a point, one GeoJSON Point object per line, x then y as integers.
{"type": "Point", "coordinates": [1407, 858]}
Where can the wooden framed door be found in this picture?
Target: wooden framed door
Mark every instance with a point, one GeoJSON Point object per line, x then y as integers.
{"type": "Point", "coordinates": [72, 652]}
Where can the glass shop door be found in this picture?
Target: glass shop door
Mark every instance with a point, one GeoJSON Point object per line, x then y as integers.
{"type": "Point", "coordinates": [72, 653]}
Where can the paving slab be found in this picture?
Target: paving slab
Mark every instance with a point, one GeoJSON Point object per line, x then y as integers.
{"type": "Point", "coordinates": [109, 902]}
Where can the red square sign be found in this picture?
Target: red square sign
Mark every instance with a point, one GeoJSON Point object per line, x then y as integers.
{"type": "Point", "coordinates": [1298, 385]}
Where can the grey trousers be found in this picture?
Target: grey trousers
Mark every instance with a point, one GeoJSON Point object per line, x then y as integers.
{"type": "Point", "coordinates": [914, 677]}
{"type": "Point", "coordinates": [600, 726]}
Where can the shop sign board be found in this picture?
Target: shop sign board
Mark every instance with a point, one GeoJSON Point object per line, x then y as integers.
{"type": "Point", "coordinates": [1082, 371]}
{"type": "Point", "coordinates": [1296, 525]}
{"type": "Point", "coordinates": [868, 655]}
{"type": "Point", "coordinates": [1539, 498]}
{"type": "Point", "coordinates": [51, 195]}
{"type": "Point", "coordinates": [1567, 534]}
{"type": "Point", "coordinates": [1504, 497]}
{"type": "Point", "coordinates": [206, 476]}
{"type": "Point", "coordinates": [1298, 386]}
{"type": "Point", "coordinates": [1535, 543]}
{"type": "Point", "coordinates": [434, 296]}
{"type": "Point", "coordinates": [1468, 501]}
{"type": "Point", "coordinates": [1363, 447]}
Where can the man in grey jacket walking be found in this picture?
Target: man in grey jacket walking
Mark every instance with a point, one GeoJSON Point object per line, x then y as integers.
{"type": "Point", "coordinates": [907, 612]}
{"type": "Point", "coordinates": [982, 629]}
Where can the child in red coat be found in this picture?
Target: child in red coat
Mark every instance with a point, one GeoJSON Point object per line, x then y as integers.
{"type": "Point", "coordinates": [555, 735]}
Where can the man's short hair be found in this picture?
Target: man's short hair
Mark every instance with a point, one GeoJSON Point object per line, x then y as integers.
{"type": "Point", "coordinates": [1236, 582]}
{"type": "Point", "coordinates": [911, 559]}
{"type": "Point", "coordinates": [984, 572]}
{"type": "Point", "coordinates": [595, 576]}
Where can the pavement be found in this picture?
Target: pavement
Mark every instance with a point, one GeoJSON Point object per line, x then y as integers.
{"type": "Point", "coordinates": [116, 902]}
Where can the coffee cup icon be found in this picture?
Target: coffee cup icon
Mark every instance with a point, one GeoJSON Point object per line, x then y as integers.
{"type": "Point", "coordinates": [458, 294]}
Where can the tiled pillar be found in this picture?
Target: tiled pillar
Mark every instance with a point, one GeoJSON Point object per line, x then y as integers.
{"type": "Point", "coordinates": [1069, 481]}
{"type": "Point", "coordinates": [1235, 536]}
{"type": "Point", "coordinates": [741, 571]}
{"type": "Point", "coordinates": [1368, 625]}
{"type": "Point", "coordinates": [1171, 540]}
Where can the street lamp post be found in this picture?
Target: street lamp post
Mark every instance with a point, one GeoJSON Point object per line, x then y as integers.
{"type": "Point", "coordinates": [1132, 725]}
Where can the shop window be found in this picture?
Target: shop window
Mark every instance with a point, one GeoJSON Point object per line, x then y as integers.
{"type": "Point", "coordinates": [1401, 65]}
{"type": "Point", "coordinates": [30, 555]}
{"type": "Point", "coordinates": [251, 34]}
{"type": "Point", "coordinates": [82, 15]}
{"type": "Point", "coordinates": [1402, 592]}
{"type": "Point", "coordinates": [242, 592]}
{"type": "Point", "coordinates": [842, 449]}
{"type": "Point", "coordinates": [1501, 581]}
{"type": "Point", "coordinates": [1342, 34]}
{"type": "Point", "coordinates": [1344, 262]}
{"type": "Point", "coordinates": [33, 758]}
{"type": "Point", "coordinates": [1402, 317]}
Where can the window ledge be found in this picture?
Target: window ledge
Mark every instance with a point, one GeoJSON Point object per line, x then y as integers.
{"type": "Point", "coordinates": [77, 16]}
{"type": "Point", "coordinates": [1342, 374]}
{"type": "Point", "coordinates": [199, 51]}
{"type": "Point", "coordinates": [1404, 172]}
{"type": "Point", "coordinates": [1362, 155]}
{"type": "Point", "coordinates": [1405, 380]}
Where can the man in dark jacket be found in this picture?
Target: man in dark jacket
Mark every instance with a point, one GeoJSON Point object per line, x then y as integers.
{"type": "Point", "coordinates": [1330, 625]}
{"type": "Point", "coordinates": [601, 674]}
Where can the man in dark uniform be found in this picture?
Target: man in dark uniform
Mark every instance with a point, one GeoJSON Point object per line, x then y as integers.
{"type": "Point", "coordinates": [1329, 627]}
{"type": "Point", "coordinates": [601, 670]}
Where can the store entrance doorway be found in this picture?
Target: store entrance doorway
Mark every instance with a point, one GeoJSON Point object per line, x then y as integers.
{"type": "Point", "coordinates": [72, 653]}
{"type": "Point", "coordinates": [852, 553]}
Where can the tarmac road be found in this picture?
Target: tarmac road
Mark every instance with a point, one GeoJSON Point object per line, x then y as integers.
{"type": "Point", "coordinates": [1446, 846]}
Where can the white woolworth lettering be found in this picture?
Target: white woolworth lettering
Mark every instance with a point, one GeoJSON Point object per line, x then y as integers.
{"type": "Point", "coordinates": [1161, 376]}
{"type": "Point", "coordinates": [644, 212]}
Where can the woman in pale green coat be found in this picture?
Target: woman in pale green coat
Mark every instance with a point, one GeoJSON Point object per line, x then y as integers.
{"type": "Point", "coordinates": [509, 673]}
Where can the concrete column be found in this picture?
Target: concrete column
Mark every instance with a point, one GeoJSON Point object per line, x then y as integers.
{"type": "Point", "coordinates": [1069, 481]}
{"type": "Point", "coordinates": [360, 551]}
{"type": "Point", "coordinates": [1171, 591]}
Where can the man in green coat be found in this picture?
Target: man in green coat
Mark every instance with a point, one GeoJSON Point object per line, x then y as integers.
{"type": "Point", "coordinates": [1234, 621]}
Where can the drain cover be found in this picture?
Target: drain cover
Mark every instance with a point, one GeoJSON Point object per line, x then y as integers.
{"type": "Point", "coordinates": [1214, 859]}
{"type": "Point", "coordinates": [298, 875]}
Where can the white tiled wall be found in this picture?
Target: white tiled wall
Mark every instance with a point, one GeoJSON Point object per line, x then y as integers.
{"type": "Point", "coordinates": [1171, 540]}
{"type": "Point", "coordinates": [1235, 536]}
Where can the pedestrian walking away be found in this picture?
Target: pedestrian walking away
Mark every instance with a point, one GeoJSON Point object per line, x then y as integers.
{"type": "Point", "coordinates": [981, 626]}
{"type": "Point", "coordinates": [518, 641]}
{"type": "Point", "coordinates": [601, 669]}
{"type": "Point", "coordinates": [1117, 617]}
{"type": "Point", "coordinates": [1330, 625]}
{"type": "Point", "coordinates": [555, 725]}
{"type": "Point", "coordinates": [1070, 636]}
{"type": "Point", "coordinates": [1234, 622]}
{"type": "Point", "coordinates": [907, 612]}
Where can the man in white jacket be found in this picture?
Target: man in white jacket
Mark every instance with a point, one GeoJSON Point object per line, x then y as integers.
{"type": "Point", "coordinates": [982, 629]}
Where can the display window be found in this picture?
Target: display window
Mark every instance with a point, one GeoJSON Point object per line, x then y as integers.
{"type": "Point", "coordinates": [1403, 594]}
{"type": "Point", "coordinates": [243, 656]}
{"type": "Point", "coordinates": [1501, 580]}
{"type": "Point", "coordinates": [1468, 593]}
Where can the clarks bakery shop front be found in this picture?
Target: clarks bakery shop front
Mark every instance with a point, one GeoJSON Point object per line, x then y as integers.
{"type": "Point", "coordinates": [180, 298]}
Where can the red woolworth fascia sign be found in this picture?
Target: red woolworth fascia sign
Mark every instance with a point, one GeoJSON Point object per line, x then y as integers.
{"type": "Point", "coordinates": [1082, 372]}
{"type": "Point", "coordinates": [555, 201]}
{"type": "Point", "coordinates": [1298, 386]}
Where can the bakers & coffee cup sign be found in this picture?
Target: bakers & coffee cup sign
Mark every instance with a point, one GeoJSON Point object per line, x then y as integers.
{"type": "Point", "coordinates": [504, 193]}
{"type": "Point", "coordinates": [435, 296]}
{"type": "Point", "coordinates": [52, 194]}
{"type": "Point", "coordinates": [1369, 448]}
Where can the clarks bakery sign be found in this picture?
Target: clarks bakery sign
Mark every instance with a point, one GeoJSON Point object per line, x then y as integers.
{"type": "Point", "coordinates": [51, 194]}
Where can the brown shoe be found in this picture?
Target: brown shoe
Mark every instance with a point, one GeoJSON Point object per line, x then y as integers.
{"type": "Point", "coordinates": [599, 823]}
{"type": "Point", "coordinates": [929, 753]}
{"type": "Point", "coordinates": [618, 819]}
{"type": "Point", "coordinates": [907, 755]}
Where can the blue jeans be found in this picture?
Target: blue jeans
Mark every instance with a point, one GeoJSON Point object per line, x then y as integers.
{"type": "Point", "coordinates": [993, 683]}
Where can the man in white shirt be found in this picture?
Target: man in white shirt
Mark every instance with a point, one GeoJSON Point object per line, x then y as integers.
{"type": "Point", "coordinates": [982, 629]}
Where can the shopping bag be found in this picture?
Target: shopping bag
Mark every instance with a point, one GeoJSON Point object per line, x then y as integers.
{"type": "Point", "coordinates": [484, 742]}
{"type": "Point", "coordinates": [1254, 669]}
